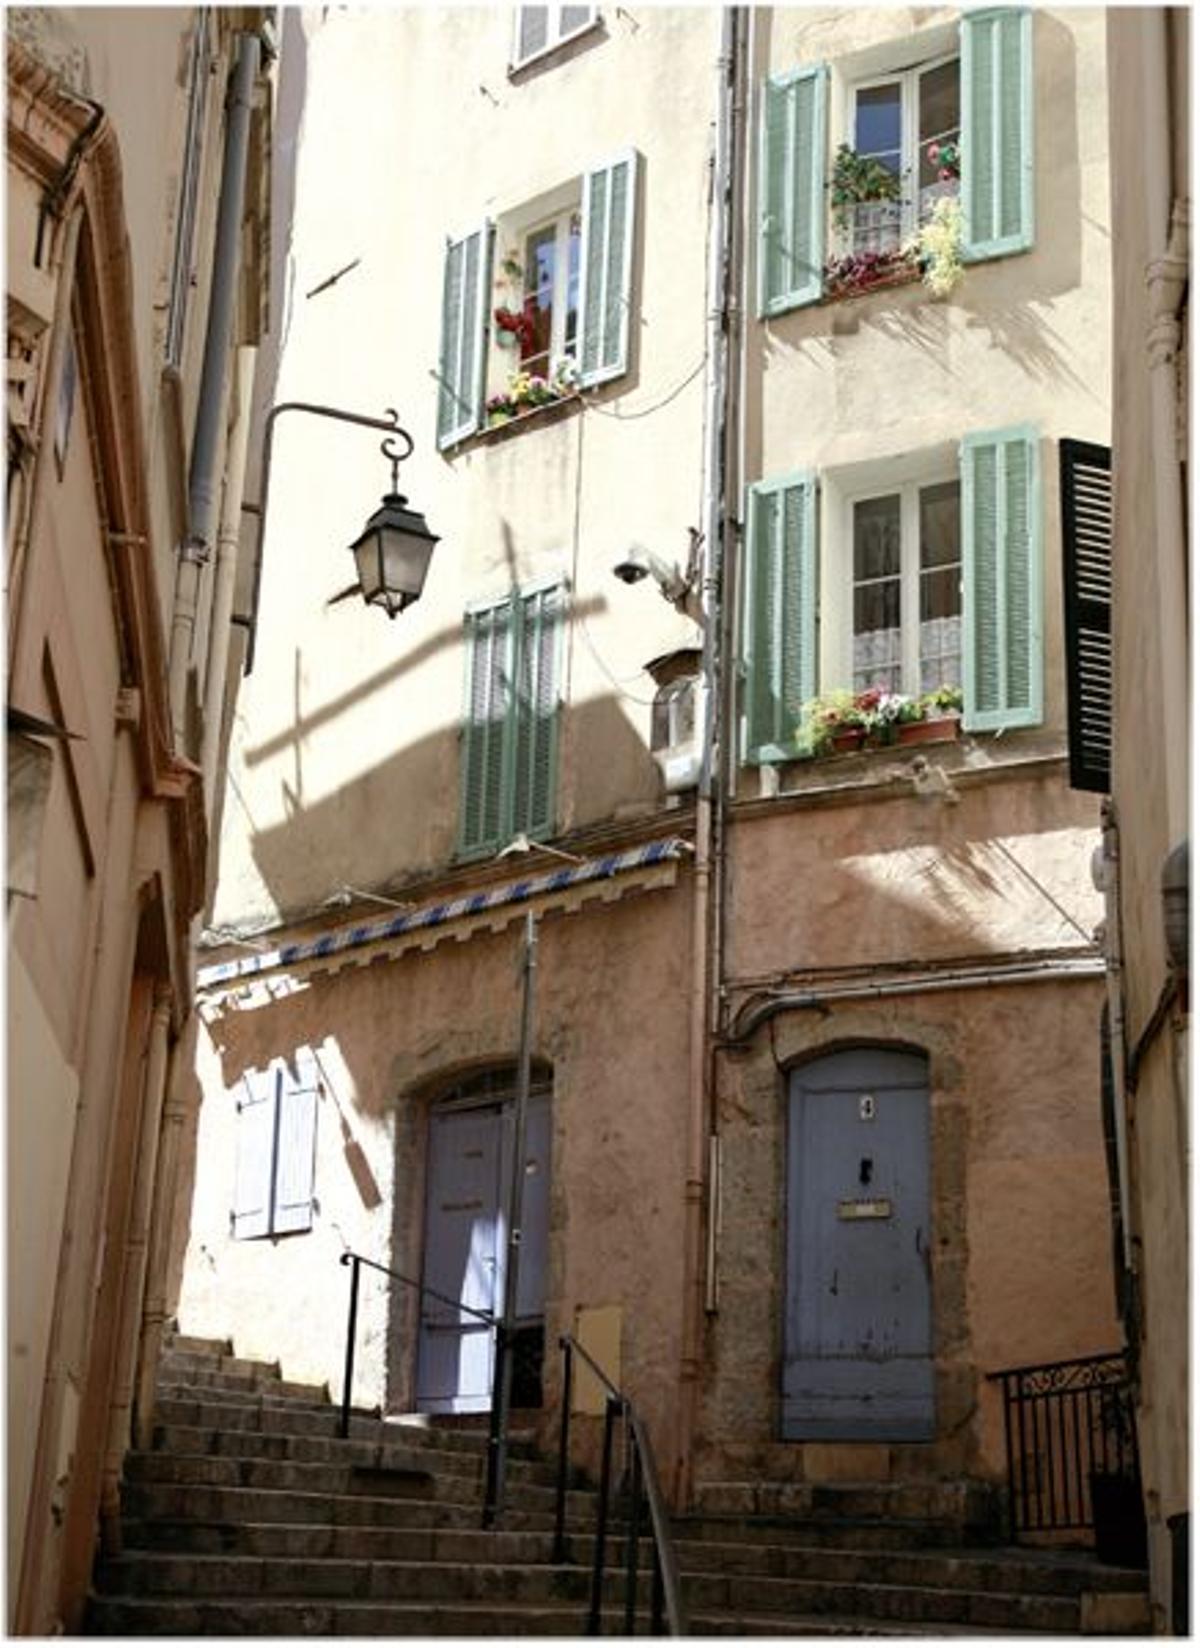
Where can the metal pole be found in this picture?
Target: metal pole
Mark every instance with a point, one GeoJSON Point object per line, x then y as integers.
{"type": "Point", "coordinates": [351, 1330]}
{"type": "Point", "coordinates": [592, 1629]}
{"type": "Point", "coordinates": [502, 1376]}
{"type": "Point", "coordinates": [564, 1430]}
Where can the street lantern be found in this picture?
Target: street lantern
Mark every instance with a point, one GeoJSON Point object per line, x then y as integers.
{"type": "Point", "coordinates": [392, 551]}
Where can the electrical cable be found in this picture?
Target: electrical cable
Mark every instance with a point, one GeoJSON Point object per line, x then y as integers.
{"type": "Point", "coordinates": [645, 411]}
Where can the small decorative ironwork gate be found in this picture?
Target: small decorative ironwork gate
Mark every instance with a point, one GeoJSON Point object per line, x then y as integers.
{"type": "Point", "coordinates": [1065, 1423]}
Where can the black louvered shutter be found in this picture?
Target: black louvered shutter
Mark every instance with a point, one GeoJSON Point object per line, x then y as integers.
{"type": "Point", "coordinates": [1085, 478]}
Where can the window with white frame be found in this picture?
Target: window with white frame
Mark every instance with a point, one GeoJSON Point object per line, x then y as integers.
{"type": "Point", "coordinates": [538, 29]}
{"type": "Point", "coordinates": [910, 575]}
{"type": "Point", "coordinates": [905, 588]}
{"type": "Point", "coordinates": [536, 304]}
{"type": "Point", "coordinates": [910, 124]}
{"type": "Point", "coordinates": [951, 115]}
{"type": "Point", "coordinates": [274, 1185]}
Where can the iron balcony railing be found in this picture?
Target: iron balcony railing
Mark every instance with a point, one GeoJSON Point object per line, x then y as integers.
{"type": "Point", "coordinates": [640, 1490]}
{"type": "Point", "coordinates": [1065, 1424]}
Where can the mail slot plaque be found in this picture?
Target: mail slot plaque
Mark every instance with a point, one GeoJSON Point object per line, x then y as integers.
{"type": "Point", "coordinates": [879, 1208]}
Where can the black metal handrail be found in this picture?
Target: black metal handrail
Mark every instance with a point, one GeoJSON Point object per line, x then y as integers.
{"type": "Point", "coordinates": [1065, 1423]}
{"type": "Point", "coordinates": [356, 1262]}
{"type": "Point", "coordinates": [641, 1480]}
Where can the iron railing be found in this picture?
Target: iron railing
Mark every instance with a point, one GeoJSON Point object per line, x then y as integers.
{"type": "Point", "coordinates": [1064, 1424]}
{"type": "Point", "coordinates": [640, 1489]}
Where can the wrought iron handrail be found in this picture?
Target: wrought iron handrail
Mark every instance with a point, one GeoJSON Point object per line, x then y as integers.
{"type": "Point", "coordinates": [642, 1478]}
{"type": "Point", "coordinates": [1065, 1422]}
{"type": "Point", "coordinates": [357, 1260]}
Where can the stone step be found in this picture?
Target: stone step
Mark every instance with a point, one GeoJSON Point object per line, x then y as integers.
{"type": "Point", "coordinates": [189, 1345]}
{"type": "Point", "coordinates": [796, 1627]}
{"type": "Point", "coordinates": [395, 1451]}
{"type": "Point", "coordinates": [354, 1543]}
{"type": "Point", "coordinates": [957, 1505]}
{"type": "Point", "coordinates": [244, 1617]}
{"type": "Point", "coordinates": [847, 1533]}
{"type": "Point", "coordinates": [190, 1502]}
{"type": "Point", "coordinates": [181, 1364]}
{"type": "Point", "coordinates": [249, 1384]}
{"type": "Point", "coordinates": [386, 1481]}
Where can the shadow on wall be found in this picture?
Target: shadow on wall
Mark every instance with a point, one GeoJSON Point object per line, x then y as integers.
{"type": "Point", "coordinates": [401, 817]}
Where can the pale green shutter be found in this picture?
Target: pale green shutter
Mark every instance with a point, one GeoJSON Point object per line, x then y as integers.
{"type": "Point", "coordinates": [485, 780]}
{"type": "Point", "coordinates": [606, 268]}
{"type": "Point", "coordinates": [1002, 580]}
{"type": "Point", "coordinates": [465, 286]}
{"type": "Point", "coordinates": [536, 713]}
{"type": "Point", "coordinates": [997, 132]}
{"type": "Point", "coordinates": [251, 1212]}
{"type": "Point", "coordinates": [792, 155]}
{"type": "Point", "coordinates": [779, 614]}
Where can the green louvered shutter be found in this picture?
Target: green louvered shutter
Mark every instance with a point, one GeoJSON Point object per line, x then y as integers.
{"type": "Point", "coordinates": [606, 264]}
{"type": "Point", "coordinates": [250, 1215]}
{"type": "Point", "coordinates": [464, 331]}
{"type": "Point", "coordinates": [997, 128]}
{"type": "Point", "coordinates": [485, 783]}
{"type": "Point", "coordinates": [792, 144]}
{"type": "Point", "coordinates": [1002, 580]}
{"type": "Point", "coordinates": [534, 786]}
{"type": "Point", "coordinates": [296, 1151]}
{"type": "Point", "coordinates": [779, 614]}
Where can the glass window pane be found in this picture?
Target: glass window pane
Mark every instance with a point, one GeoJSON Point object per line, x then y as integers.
{"type": "Point", "coordinates": [940, 525]}
{"type": "Point", "coordinates": [939, 101]}
{"type": "Point", "coordinates": [940, 594]}
{"type": "Point", "coordinates": [938, 133]}
{"type": "Point", "coordinates": [877, 122]}
{"type": "Point", "coordinates": [572, 18]}
{"type": "Point", "coordinates": [877, 537]}
{"type": "Point", "coordinates": [877, 606]}
{"type": "Point", "coordinates": [538, 299]}
{"type": "Point", "coordinates": [572, 326]}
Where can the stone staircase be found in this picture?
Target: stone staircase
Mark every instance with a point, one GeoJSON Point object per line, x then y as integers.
{"type": "Point", "coordinates": [250, 1516]}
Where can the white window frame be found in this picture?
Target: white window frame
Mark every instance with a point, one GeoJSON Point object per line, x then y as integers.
{"type": "Point", "coordinates": [909, 80]}
{"type": "Point", "coordinates": [555, 35]}
{"type": "Point", "coordinates": [842, 489]}
{"type": "Point", "coordinates": [513, 230]}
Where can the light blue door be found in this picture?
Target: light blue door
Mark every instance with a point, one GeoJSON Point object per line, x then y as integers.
{"type": "Point", "coordinates": [466, 1238]}
{"type": "Point", "coordinates": [858, 1340]}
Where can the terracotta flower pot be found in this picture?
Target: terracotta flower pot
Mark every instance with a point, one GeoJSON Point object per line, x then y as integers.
{"type": "Point", "coordinates": [847, 739]}
{"type": "Point", "coordinates": [927, 731]}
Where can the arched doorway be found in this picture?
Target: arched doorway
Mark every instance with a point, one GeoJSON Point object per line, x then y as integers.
{"type": "Point", "coordinates": [858, 1328]}
{"type": "Point", "coordinates": [467, 1181]}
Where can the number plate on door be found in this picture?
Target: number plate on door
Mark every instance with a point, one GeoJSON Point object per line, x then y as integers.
{"type": "Point", "coordinates": [878, 1209]}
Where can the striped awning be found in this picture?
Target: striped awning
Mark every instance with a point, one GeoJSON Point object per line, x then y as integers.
{"type": "Point", "coordinates": [493, 907]}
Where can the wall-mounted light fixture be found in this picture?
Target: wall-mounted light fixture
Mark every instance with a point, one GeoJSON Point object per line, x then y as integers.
{"type": "Point", "coordinates": [391, 552]}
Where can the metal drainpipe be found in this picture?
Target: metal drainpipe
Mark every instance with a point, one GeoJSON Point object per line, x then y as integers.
{"type": "Point", "coordinates": [699, 1091]}
{"type": "Point", "coordinates": [225, 572]}
{"type": "Point", "coordinates": [1167, 237]}
{"type": "Point", "coordinates": [206, 442]}
{"type": "Point", "coordinates": [1109, 883]}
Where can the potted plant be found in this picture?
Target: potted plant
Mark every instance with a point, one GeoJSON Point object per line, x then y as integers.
{"type": "Point", "coordinates": [862, 271]}
{"type": "Point", "coordinates": [831, 724]}
{"type": "Point", "coordinates": [858, 180]}
{"type": "Point", "coordinates": [938, 718]}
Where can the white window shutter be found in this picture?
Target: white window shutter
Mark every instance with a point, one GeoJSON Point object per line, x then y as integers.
{"type": "Point", "coordinates": [251, 1213]}
{"type": "Point", "coordinates": [606, 268]}
{"type": "Point", "coordinates": [1002, 579]}
{"type": "Point", "coordinates": [296, 1152]}
{"type": "Point", "coordinates": [461, 360]}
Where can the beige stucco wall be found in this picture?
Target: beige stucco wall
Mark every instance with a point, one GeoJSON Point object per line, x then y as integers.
{"type": "Point", "coordinates": [610, 1018]}
{"type": "Point", "coordinates": [1151, 746]}
{"type": "Point", "coordinates": [348, 719]}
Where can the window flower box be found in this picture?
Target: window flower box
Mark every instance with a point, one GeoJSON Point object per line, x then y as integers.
{"type": "Point", "coordinates": [841, 722]}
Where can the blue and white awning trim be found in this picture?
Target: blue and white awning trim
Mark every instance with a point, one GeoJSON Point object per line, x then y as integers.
{"type": "Point", "coordinates": [552, 889]}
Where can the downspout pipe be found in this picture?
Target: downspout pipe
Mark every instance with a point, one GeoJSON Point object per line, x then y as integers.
{"type": "Point", "coordinates": [712, 508]}
{"type": "Point", "coordinates": [1167, 246]}
{"type": "Point", "coordinates": [1106, 875]}
{"type": "Point", "coordinates": [225, 572]}
{"type": "Point", "coordinates": [203, 478]}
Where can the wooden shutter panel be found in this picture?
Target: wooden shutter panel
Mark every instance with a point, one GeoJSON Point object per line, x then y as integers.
{"type": "Point", "coordinates": [1002, 580]}
{"type": "Point", "coordinates": [536, 719]}
{"type": "Point", "coordinates": [485, 781]}
{"type": "Point", "coordinates": [779, 614]}
{"type": "Point", "coordinates": [1085, 481]}
{"type": "Point", "coordinates": [792, 154]}
{"type": "Point", "coordinates": [464, 330]}
{"type": "Point", "coordinates": [606, 263]}
{"type": "Point", "coordinates": [251, 1214]}
{"type": "Point", "coordinates": [997, 132]}
{"type": "Point", "coordinates": [296, 1146]}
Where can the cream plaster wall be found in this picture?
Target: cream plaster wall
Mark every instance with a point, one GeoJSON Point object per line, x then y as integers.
{"type": "Point", "coordinates": [346, 719]}
{"type": "Point", "coordinates": [609, 1018]}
